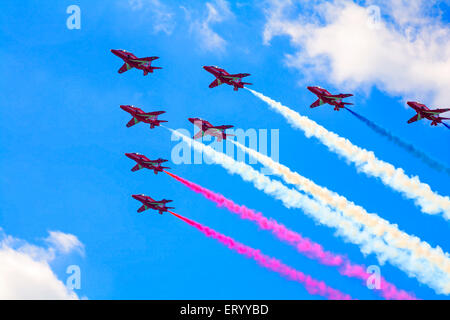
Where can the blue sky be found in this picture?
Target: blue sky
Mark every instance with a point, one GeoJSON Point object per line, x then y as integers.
{"type": "Point", "coordinates": [63, 141]}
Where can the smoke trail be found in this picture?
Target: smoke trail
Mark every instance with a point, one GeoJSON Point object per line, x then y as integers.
{"type": "Point", "coordinates": [429, 201]}
{"type": "Point", "coordinates": [312, 286]}
{"type": "Point", "coordinates": [424, 270]}
{"type": "Point", "coordinates": [375, 224]}
{"type": "Point", "coordinates": [399, 142]}
{"type": "Point", "coordinates": [303, 245]}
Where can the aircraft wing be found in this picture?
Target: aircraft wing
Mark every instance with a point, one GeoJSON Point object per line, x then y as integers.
{"type": "Point", "coordinates": [435, 111]}
{"type": "Point", "coordinates": [223, 127]}
{"type": "Point", "coordinates": [155, 113]}
{"type": "Point", "coordinates": [237, 75]}
{"type": "Point", "coordinates": [214, 84]}
{"type": "Point", "coordinates": [316, 103]}
{"type": "Point", "coordinates": [148, 58]}
{"type": "Point", "coordinates": [142, 208]}
{"type": "Point", "coordinates": [132, 122]}
{"type": "Point", "coordinates": [136, 168]}
{"type": "Point", "coordinates": [344, 95]}
{"type": "Point", "coordinates": [414, 119]}
{"type": "Point", "coordinates": [124, 68]}
{"type": "Point", "coordinates": [156, 161]}
{"type": "Point", "coordinates": [198, 135]}
{"type": "Point", "coordinates": [339, 96]}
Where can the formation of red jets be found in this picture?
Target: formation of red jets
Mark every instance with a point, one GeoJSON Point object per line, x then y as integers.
{"type": "Point", "coordinates": [206, 128]}
{"type": "Point", "coordinates": [423, 112]}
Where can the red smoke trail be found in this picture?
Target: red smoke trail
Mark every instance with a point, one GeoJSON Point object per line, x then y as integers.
{"type": "Point", "coordinates": [304, 245]}
{"type": "Point", "coordinates": [312, 286]}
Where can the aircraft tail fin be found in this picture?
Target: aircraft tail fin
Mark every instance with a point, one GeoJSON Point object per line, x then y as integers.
{"type": "Point", "coordinates": [157, 123]}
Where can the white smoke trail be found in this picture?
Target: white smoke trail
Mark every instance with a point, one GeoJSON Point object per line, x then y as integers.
{"type": "Point", "coordinates": [375, 224]}
{"type": "Point", "coordinates": [411, 187]}
{"type": "Point", "coordinates": [422, 269]}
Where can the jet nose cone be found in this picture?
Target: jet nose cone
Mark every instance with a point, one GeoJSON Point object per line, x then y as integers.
{"type": "Point", "coordinates": [138, 197]}
{"type": "Point", "coordinates": [130, 155]}
{"type": "Point", "coordinates": [191, 120]}
{"type": "Point", "coordinates": [125, 108]}
{"type": "Point", "coordinates": [310, 88]}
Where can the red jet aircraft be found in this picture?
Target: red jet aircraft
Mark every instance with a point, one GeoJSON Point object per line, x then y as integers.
{"type": "Point", "coordinates": [131, 61]}
{"type": "Point", "coordinates": [207, 128]}
{"type": "Point", "coordinates": [222, 76]}
{"type": "Point", "coordinates": [424, 112]}
{"type": "Point", "coordinates": [326, 97]}
{"type": "Point", "coordinates": [144, 162]}
{"type": "Point", "coordinates": [139, 115]}
{"type": "Point", "coordinates": [149, 203]}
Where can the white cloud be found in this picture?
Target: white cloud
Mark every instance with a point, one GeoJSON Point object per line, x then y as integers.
{"type": "Point", "coordinates": [157, 12]}
{"type": "Point", "coordinates": [65, 242]}
{"type": "Point", "coordinates": [25, 272]}
{"type": "Point", "coordinates": [217, 11]}
{"type": "Point", "coordinates": [405, 53]}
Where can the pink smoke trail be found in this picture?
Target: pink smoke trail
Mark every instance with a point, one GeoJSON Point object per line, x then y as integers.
{"type": "Point", "coordinates": [305, 246]}
{"type": "Point", "coordinates": [312, 286]}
